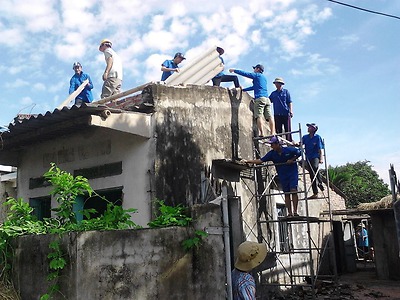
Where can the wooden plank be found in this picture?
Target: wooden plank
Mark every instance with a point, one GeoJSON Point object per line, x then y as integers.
{"type": "Point", "coordinates": [123, 94]}
{"type": "Point", "coordinates": [73, 95]}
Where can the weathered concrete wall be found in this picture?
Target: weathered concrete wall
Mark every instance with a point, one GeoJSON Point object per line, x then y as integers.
{"type": "Point", "coordinates": [90, 148]}
{"type": "Point", "coordinates": [193, 126]}
{"type": "Point", "coordinates": [128, 264]}
{"type": "Point", "coordinates": [385, 244]}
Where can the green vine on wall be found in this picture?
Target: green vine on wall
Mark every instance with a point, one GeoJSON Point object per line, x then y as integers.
{"type": "Point", "coordinates": [20, 221]}
{"type": "Point", "coordinates": [177, 216]}
{"type": "Point", "coordinates": [66, 188]}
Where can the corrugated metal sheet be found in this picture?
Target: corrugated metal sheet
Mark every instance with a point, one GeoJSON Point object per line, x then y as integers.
{"type": "Point", "coordinates": [51, 124]}
{"type": "Point", "coordinates": [199, 70]}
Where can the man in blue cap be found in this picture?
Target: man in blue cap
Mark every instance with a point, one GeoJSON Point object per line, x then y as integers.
{"type": "Point", "coordinates": [262, 104]}
{"type": "Point", "coordinates": [313, 146]}
{"type": "Point", "coordinates": [169, 66]}
{"type": "Point", "coordinates": [284, 159]}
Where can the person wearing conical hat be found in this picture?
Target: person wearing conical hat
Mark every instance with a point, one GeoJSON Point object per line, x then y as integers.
{"type": "Point", "coordinates": [249, 255]}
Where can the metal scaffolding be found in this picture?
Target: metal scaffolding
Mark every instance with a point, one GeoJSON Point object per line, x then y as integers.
{"type": "Point", "coordinates": [301, 248]}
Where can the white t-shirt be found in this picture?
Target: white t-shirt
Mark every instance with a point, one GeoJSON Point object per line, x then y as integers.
{"type": "Point", "coordinates": [116, 69]}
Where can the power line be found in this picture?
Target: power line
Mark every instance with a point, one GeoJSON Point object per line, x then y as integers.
{"type": "Point", "coordinates": [363, 9]}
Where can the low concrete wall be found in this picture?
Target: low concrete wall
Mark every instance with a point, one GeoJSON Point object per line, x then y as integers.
{"type": "Point", "coordinates": [385, 244]}
{"type": "Point", "coordinates": [127, 264]}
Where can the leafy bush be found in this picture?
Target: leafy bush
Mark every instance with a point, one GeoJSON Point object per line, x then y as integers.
{"type": "Point", "coordinates": [194, 242]}
{"type": "Point", "coordinates": [20, 221]}
{"type": "Point", "coordinates": [170, 216]}
{"type": "Point", "coordinates": [359, 182]}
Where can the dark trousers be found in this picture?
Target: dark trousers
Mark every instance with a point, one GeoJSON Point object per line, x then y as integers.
{"type": "Point", "coordinates": [226, 78]}
{"type": "Point", "coordinates": [283, 124]}
{"type": "Point", "coordinates": [312, 167]}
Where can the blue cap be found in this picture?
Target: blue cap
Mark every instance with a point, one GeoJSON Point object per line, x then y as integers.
{"type": "Point", "coordinates": [179, 54]}
{"type": "Point", "coordinates": [273, 140]}
{"type": "Point", "coordinates": [261, 67]}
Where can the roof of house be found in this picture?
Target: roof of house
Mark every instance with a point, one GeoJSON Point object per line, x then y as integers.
{"type": "Point", "coordinates": [44, 126]}
{"type": "Point", "coordinates": [130, 115]}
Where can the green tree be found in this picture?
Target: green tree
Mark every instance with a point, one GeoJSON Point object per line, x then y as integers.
{"type": "Point", "coordinates": [359, 182]}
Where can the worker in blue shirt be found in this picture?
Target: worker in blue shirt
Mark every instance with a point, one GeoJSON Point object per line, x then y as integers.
{"type": "Point", "coordinates": [284, 159]}
{"type": "Point", "coordinates": [313, 146]}
{"type": "Point", "coordinates": [76, 80]}
{"type": "Point", "coordinates": [221, 76]}
{"type": "Point", "coordinates": [169, 66]}
{"type": "Point", "coordinates": [283, 110]}
{"type": "Point", "coordinates": [262, 104]}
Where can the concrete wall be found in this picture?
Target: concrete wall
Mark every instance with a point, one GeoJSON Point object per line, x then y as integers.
{"type": "Point", "coordinates": [128, 264]}
{"type": "Point", "coordinates": [387, 260]}
{"type": "Point", "coordinates": [89, 148]}
{"type": "Point", "coordinates": [193, 126]}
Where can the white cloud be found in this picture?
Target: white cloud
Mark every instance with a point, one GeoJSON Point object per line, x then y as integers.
{"type": "Point", "coordinates": [17, 84]}
{"type": "Point", "coordinates": [241, 20]}
{"type": "Point", "coordinates": [11, 37]}
{"type": "Point", "coordinates": [348, 40]}
{"type": "Point", "coordinates": [39, 87]}
{"type": "Point", "coordinates": [153, 69]}
{"type": "Point", "coordinates": [26, 101]}
{"type": "Point", "coordinates": [161, 40]}
{"type": "Point", "coordinates": [38, 15]}
{"type": "Point", "coordinates": [157, 22]}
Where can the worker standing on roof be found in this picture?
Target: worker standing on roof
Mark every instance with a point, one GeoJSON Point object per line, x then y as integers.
{"type": "Point", "coordinates": [170, 66]}
{"type": "Point", "coordinates": [283, 111]}
{"type": "Point", "coordinates": [221, 76]}
{"type": "Point", "coordinates": [75, 82]}
{"type": "Point", "coordinates": [112, 75]}
{"type": "Point", "coordinates": [284, 159]}
{"type": "Point", "coordinates": [262, 104]}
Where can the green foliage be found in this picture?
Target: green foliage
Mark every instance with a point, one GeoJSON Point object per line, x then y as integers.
{"type": "Point", "coordinates": [170, 216]}
{"type": "Point", "coordinates": [194, 242]}
{"type": "Point", "coordinates": [359, 182]}
{"type": "Point", "coordinates": [21, 221]}
{"type": "Point", "coordinates": [66, 188]}
{"type": "Point", "coordinates": [115, 217]}
{"type": "Point", "coordinates": [56, 264]}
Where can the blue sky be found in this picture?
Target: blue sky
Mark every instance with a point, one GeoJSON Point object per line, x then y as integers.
{"type": "Point", "coordinates": [341, 65]}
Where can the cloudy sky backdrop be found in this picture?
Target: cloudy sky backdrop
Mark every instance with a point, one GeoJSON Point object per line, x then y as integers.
{"type": "Point", "coordinates": [341, 65]}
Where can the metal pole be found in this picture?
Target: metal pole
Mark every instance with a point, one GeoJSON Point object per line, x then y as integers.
{"type": "Point", "coordinates": [396, 203]}
{"type": "Point", "coordinates": [227, 244]}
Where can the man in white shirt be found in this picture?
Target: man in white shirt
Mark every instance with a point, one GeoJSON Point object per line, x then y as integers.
{"type": "Point", "coordinates": [112, 75]}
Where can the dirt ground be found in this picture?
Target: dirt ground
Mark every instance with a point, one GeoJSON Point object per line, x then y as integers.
{"type": "Point", "coordinates": [365, 285]}
{"type": "Point", "coordinates": [361, 285]}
